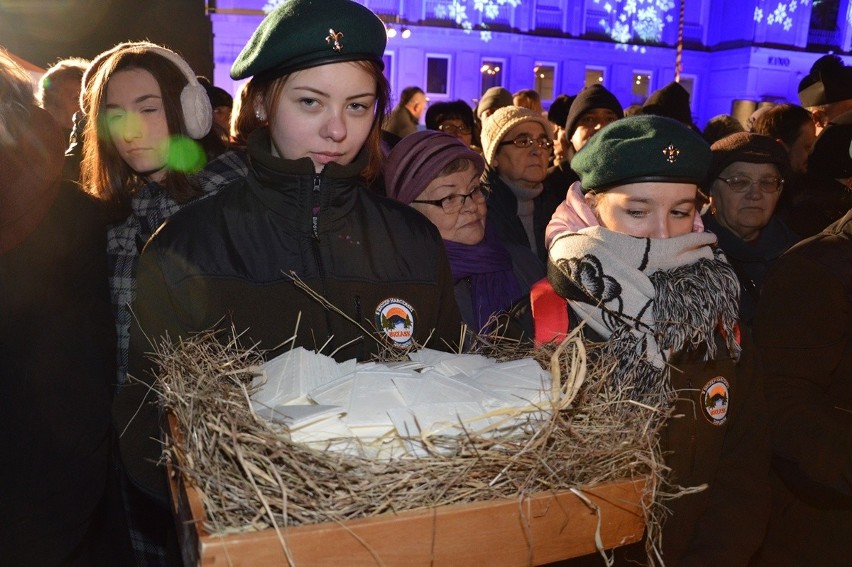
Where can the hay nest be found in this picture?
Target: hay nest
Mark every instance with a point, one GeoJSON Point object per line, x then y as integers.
{"type": "Point", "coordinates": [251, 476]}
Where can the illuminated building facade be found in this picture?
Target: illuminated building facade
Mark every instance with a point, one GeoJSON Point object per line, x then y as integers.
{"type": "Point", "coordinates": [750, 51]}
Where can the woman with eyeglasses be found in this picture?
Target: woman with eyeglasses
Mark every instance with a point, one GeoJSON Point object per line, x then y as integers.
{"type": "Point", "coordinates": [516, 144]}
{"type": "Point", "coordinates": [454, 118]}
{"type": "Point", "coordinates": [745, 181]}
{"type": "Point", "coordinates": [439, 176]}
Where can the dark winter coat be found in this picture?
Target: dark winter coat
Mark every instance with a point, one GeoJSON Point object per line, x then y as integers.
{"type": "Point", "coordinates": [228, 260]}
{"type": "Point", "coordinates": [751, 260]}
{"type": "Point", "coordinates": [819, 202]}
{"type": "Point", "coordinates": [401, 122]}
{"type": "Point", "coordinates": [803, 330]}
{"type": "Point", "coordinates": [503, 216]}
{"type": "Point", "coordinates": [720, 441]}
{"type": "Point", "coordinates": [57, 357]}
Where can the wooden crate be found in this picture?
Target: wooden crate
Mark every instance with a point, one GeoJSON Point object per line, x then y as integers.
{"type": "Point", "coordinates": [533, 531]}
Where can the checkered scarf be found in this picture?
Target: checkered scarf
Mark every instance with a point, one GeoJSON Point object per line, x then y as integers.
{"type": "Point", "coordinates": [151, 206]}
{"type": "Point", "coordinates": [648, 297]}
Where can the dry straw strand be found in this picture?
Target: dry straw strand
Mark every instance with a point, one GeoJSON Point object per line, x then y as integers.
{"type": "Point", "coordinates": [252, 477]}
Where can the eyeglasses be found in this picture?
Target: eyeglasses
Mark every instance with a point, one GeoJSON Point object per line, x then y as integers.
{"type": "Point", "coordinates": [454, 130]}
{"type": "Point", "coordinates": [454, 203]}
{"type": "Point", "coordinates": [524, 141]}
{"type": "Point", "coordinates": [741, 184]}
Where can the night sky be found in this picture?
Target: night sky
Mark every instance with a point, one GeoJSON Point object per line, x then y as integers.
{"type": "Point", "coordinates": [43, 31]}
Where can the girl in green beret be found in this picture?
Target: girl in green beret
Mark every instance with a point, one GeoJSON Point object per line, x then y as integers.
{"type": "Point", "coordinates": [628, 252]}
{"type": "Point", "coordinates": [258, 256]}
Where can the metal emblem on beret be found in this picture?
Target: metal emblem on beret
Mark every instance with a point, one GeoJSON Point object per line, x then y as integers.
{"type": "Point", "coordinates": [334, 37]}
{"type": "Point", "coordinates": [671, 153]}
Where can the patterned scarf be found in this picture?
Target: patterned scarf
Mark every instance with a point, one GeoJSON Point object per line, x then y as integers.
{"type": "Point", "coordinates": [648, 297]}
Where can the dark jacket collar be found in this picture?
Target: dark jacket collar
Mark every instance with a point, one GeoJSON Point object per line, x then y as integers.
{"type": "Point", "coordinates": [287, 186]}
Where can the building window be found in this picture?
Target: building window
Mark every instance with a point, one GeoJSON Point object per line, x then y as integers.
{"type": "Point", "coordinates": [824, 15]}
{"type": "Point", "coordinates": [594, 76]}
{"type": "Point", "coordinates": [491, 71]}
{"type": "Point", "coordinates": [545, 75]}
{"type": "Point", "coordinates": [438, 74]}
{"type": "Point", "coordinates": [640, 86]}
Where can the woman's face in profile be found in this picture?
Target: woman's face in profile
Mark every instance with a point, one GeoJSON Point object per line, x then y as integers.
{"type": "Point", "coordinates": [647, 209]}
{"type": "Point", "coordinates": [324, 113]}
{"type": "Point", "coordinates": [466, 226]}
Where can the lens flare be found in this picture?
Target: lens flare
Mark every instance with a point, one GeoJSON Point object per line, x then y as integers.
{"type": "Point", "coordinates": [185, 155]}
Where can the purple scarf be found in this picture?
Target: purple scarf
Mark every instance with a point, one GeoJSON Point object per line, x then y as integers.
{"type": "Point", "coordinates": [493, 286]}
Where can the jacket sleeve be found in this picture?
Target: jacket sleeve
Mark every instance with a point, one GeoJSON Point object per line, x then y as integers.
{"type": "Point", "coordinates": [803, 333]}
{"type": "Point", "coordinates": [732, 527]}
{"type": "Point", "coordinates": [157, 312]}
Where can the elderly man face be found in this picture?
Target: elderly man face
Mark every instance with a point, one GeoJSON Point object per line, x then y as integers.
{"type": "Point", "coordinates": [744, 196]}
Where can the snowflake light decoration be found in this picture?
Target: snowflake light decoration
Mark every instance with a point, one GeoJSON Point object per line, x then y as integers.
{"type": "Point", "coordinates": [631, 20]}
{"type": "Point", "coordinates": [781, 15]}
{"type": "Point", "coordinates": [456, 10]}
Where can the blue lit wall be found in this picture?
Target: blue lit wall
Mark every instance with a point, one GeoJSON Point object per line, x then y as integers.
{"type": "Point", "coordinates": [735, 50]}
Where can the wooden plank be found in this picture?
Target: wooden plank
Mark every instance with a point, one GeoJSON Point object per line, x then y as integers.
{"type": "Point", "coordinates": [537, 530]}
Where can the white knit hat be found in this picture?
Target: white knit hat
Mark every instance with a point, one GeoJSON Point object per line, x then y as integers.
{"type": "Point", "coordinates": [496, 126]}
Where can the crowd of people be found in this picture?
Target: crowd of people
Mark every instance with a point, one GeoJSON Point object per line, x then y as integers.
{"type": "Point", "coordinates": [141, 203]}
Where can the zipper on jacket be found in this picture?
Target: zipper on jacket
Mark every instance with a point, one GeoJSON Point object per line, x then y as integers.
{"type": "Point", "coordinates": [315, 211]}
{"type": "Point", "coordinates": [316, 202]}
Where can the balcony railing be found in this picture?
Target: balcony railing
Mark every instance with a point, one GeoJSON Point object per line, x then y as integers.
{"type": "Point", "coordinates": [824, 37]}
{"type": "Point", "coordinates": [548, 19]}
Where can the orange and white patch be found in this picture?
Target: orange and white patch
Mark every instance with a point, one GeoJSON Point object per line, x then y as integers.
{"type": "Point", "coordinates": [395, 320]}
{"type": "Point", "coordinates": [715, 399]}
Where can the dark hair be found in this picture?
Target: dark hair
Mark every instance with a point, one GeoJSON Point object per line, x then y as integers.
{"type": "Point", "coordinates": [783, 122]}
{"type": "Point", "coordinates": [442, 111]}
{"type": "Point", "coordinates": [103, 172]}
{"type": "Point", "coordinates": [720, 126]}
{"type": "Point", "coordinates": [408, 93]}
{"type": "Point", "coordinates": [269, 90]}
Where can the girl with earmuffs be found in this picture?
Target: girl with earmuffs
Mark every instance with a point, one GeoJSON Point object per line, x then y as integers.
{"type": "Point", "coordinates": [147, 117]}
{"type": "Point", "coordinates": [148, 121]}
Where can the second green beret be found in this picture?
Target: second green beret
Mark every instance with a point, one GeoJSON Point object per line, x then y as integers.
{"type": "Point", "coordinates": [300, 34]}
{"type": "Point", "coordinates": [642, 148]}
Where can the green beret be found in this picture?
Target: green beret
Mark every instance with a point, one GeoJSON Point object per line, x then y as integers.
{"type": "Point", "coordinates": [642, 148]}
{"type": "Point", "coordinates": [300, 34]}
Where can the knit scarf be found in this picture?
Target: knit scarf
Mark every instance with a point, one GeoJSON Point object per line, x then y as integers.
{"type": "Point", "coordinates": [493, 286]}
{"type": "Point", "coordinates": [649, 298]}
{"type": "Point", "coordinates": [526, 207]}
